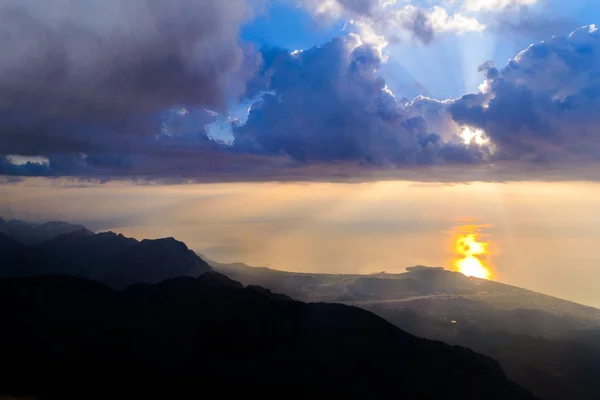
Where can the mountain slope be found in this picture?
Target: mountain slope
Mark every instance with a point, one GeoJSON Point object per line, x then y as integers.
{"type": "Point", "coordinates": [107, 257]}
{"type": "Point", "coordinates": [203, 334]}
{"type": "Point", "coordinates": [562, 368]}
{"type": "Point", "coordinates": [550, 346]}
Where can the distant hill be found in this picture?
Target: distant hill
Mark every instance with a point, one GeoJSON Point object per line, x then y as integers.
{"type": "Point", "coordinates": [63, 336]}
{"type": "Point", "coordinates": [35, 233]}
{"type": "Point", "coordinates": [550, 346]}
{"type": "Point", "coordinates": [107, 257]}
{"type": "Point", "coordinates": [417, 283]}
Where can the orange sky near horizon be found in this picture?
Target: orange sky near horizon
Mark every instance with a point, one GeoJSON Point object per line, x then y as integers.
{"type": "Point", "coordinates": [541, 236]}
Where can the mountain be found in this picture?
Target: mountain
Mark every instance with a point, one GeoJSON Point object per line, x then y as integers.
{"type": "Point", "coordinates": [495, 319]}
{"type": "Point", "coordinates": [63, 336]}
{"type": "Point", "coordinates": [548, 345]}
{"type": "Point", "coordinates": [33, 234]}
{"type": "Point", "coordinates": [107, 257]}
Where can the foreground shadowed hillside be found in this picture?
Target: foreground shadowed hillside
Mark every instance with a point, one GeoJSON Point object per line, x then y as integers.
{"type": "Point", "coordinates": [550, 346]}
{"type": "Point", "coordinates": [566, 368]}
{"type": "Point", "coordinates": [74, 335]}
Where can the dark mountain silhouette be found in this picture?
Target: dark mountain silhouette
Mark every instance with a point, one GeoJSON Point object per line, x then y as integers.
{"type": "Point", "coordinates": [12, 252]}
{"type": "Point", "coordinates": [65, 336]}
{"type": "Point", "coordinates": [548, 345]}
{"type": "Point", "coordinates": [33, 234]}
{"type": "Point", "coordinates": [106, 257]}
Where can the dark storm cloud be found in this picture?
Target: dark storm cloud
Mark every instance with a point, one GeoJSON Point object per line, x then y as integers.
{"type": "Point", "coordinates": [97, 76]}
{"type": "Point", "coordinates": [545, 104]}
{"type": "Point", "coordinates": [116, 56]}
{"type": "Point", "coordinates": [328, 103]}
{"type": "Point", "coordinates": [7, 167]}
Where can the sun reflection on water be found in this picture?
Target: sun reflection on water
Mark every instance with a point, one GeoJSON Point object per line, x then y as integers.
{"type": "Point", "coordinates": [471, 253]}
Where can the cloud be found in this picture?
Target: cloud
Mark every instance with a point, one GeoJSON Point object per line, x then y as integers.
{"type": "Point", "coordinates": [325, 113]}
{"type": "Point", "coordinates": [320, 111]}
{"type": "Point", "coordinates": [495, 5]}
{"type": "Point", "coordinates": [95, 76]}
{"type": "Point", "coordinates": [534, 26]}
{"type": "Point", "coordinates": [459, 23]}
{"type": "Point", "coordinates": [9, 168]}
{"type": "Point", "coordinates": [528, 20]}
{"type": "Point", "coordinates": [543, 106]}
{"type": "Point", "coordinates": [114, 56]}
{"type": "Point", "coordinates": [382, 21]}
{"type": "Point", "coordinates": [328, 103]}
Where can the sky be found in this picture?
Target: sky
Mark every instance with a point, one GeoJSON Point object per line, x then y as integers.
{"type": "Point", "coordinates": [313, 135]}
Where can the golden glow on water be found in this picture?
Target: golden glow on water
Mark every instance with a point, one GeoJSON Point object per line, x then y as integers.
{"type": "Point", "coordinates": [470, 250]}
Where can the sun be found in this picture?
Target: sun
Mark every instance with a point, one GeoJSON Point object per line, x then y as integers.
{"type": "Point", "coordinates": [468, 248]}
{"type": "Point", "coordinates": [471, 135]}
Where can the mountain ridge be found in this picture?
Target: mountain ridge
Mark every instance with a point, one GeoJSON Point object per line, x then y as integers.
{"type": "Point", "coordinates": [31, 234]}
{"type": "Point", "coordinates": [108, 257]}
